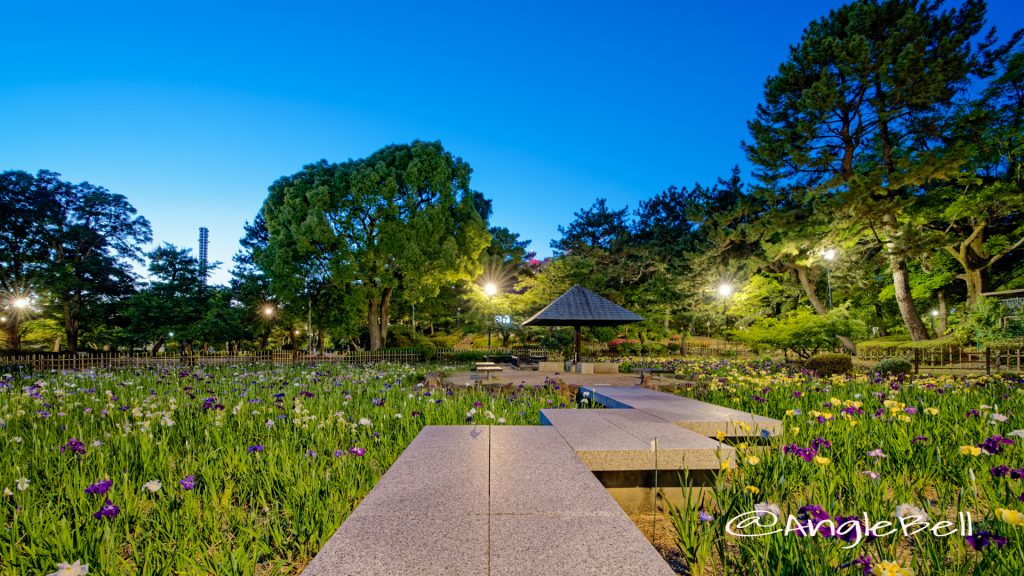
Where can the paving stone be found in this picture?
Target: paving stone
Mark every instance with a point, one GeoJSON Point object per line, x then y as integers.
{"type": "Point", "coordinates": [577, 545]}
{"type": "Point", "coordinates": [701, 417]}
{"type": "Point", "coordinates": [444, 470]}
{"type": "Point", "coordinates": [622, 439]}
{"type": "Point", "coordinates": [388, 545]}
{"type": "Point", "coordinates": [534, 471]}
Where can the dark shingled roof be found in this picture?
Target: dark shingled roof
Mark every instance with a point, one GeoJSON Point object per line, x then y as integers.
{"type": "Point", "coordinates": [581, 307]}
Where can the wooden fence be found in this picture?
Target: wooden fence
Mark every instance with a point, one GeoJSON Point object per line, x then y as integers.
{"type": "Point", "coordinates": [952, 358]}
{"type": "Point", "coordinates": [87, 360]}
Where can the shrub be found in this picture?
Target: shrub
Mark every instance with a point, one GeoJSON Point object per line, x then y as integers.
{"type": "Point", "coordinates": [828, 364]}
{"type": "Point", "coordinates": [469, 356]}
{"type": "Point", "coordinates": [892, 366]}
{"type": "Point", "coordinates": [801, 331]}
{"type": "Point", "coordinates": [654, 349]}
{"type": "Point", "coordinates": [624, 346]}
{"type": "Point", "coordinates": [426, 348]}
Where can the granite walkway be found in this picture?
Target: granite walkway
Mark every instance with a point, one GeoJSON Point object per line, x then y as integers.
{"type": "Point", "coordinates": [479, 500]}
{"type": "Point", "coordinates": [524, 500]}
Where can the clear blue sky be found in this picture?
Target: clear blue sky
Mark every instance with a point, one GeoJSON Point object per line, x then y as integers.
{"type": "Point", "coordinates": [191, 109]}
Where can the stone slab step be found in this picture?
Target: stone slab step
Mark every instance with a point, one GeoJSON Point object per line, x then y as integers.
{"type": "Point", "coordinates": [621, 440]}
{"type": "Point", "coordinates": [501, 500]}
{"type": "Point", "coordinates": [701, 417]}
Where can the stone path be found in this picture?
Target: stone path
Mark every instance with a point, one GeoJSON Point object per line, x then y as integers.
{"type": "Point", "coordinates": [622, 440]}
{"type": "Point", "coordinates": [500, 501]}
{"type": "Point", "coordinates": [701, 417]}
{"type": "Point", "coordinates": [524, 500]}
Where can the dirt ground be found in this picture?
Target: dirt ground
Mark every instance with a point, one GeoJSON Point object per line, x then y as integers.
{"type": "Point", "coordinates": [658, 530]}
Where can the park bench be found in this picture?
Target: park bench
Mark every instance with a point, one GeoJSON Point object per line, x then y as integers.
{"type": "Point", "coordinates": [500, 501]}
{"type": "Point", "coordinates": [488, 369]}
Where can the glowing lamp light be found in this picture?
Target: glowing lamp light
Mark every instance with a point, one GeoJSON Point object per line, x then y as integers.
{"type": "Point", "coordinates": [170, 334]}
{"type": "Point", "coordinates": [20, 303]}
{"type": "Point", "coordinates": [269, 310]}
{"type": "Point", "coordinates": [490, 289]}
{"type": "Point", "coordinates": [935, 312]}
{"type": "Point", "coordinates": [725, 290]}
{"type": "Point", "coordinates": [829, 254]}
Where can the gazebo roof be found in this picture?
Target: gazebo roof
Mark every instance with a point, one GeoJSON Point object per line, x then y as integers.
{"type": "Point", "coordinates": [581, 307]}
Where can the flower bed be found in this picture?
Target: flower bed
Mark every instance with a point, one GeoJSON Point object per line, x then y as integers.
{"type": "Point", "coordinates": [222, 471]}
{"type": "Point", "coordinates": [857, 450]}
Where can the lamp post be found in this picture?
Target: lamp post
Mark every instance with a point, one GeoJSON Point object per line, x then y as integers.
{"type": "Point", "coordinates": [724, 291]}
{"type": "Point", "coordinates": [829, 255]}
{"type": "Point", "coordinates": [490, 289]}
{"type": "Point", "coordinates": [934, 315]}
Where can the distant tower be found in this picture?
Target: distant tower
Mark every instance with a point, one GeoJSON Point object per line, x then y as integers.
{"type": "Point", "coordinates": [204, 245]}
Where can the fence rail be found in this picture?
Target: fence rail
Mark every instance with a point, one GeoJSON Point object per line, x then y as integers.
{"type": "Point", "coordinates": [952, 358]}
{"type": "Point", "coordinates": [87, 360]}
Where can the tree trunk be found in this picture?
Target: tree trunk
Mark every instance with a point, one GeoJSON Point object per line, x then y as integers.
{"type": "Point", "coordinates": [377, 316]}
{"type": "Point", "coordinates": [975, 280]}
{"type": "Point", "coordinates": [13, 333]}
{"type": "Point", "coordinates": [372, 310]}
{"type": "Point", "coordinates": [941, 328]}
{"type": "Point", "coordinates": [71, 327]}
{"type": "Point", "coordinates": [905, 300]}
{"type": "Point", "coordinates": [157, 346]}
{"type": "Point", "coordinates": [805, 283]}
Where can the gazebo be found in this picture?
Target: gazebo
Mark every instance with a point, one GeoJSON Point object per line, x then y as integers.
{"type": "Point", "coordinates": [580, 307]}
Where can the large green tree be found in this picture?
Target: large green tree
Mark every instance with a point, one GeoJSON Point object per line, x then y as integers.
{"type": "Point", "coordinates": [26, 202]}
{"type": "Point", "coordinates": [853, 121]}
{"type": "Point", "coordinates": [981, 212]}
{"type": "Point", "coordinates": [94, 237]}
{"type": "Point", "coordinates": [402, 220]}
{"type": "Point", "coordinates": [175, 300]}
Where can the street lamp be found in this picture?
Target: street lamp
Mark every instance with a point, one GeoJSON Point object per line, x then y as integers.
{"type": "Point", "coordinates": [934, 314]}
{"type": "Point", "coordinates": [724, 291]}
{"type": "Point", "coordinates": [20, 303]}
{"type": "Point", "coordinates": [490, 289]}
{"type": "Point", "coordinates": [829, 255]}
{"type": "Point", "coordinates": [268, 311]}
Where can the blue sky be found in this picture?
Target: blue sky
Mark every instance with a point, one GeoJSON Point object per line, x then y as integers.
{"type": "Point", "coordinates": [191, 109]}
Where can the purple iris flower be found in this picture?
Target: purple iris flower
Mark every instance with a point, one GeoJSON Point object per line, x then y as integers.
{"type": "Point", "coordinates": [256, 448]}
{"type": "Point", "coordinates": [188, 483]}
{"type": "Point", "coordinates": [357, 451]}
{"type": "Point", "coordinates": [74, 445]}
{"type": "Point", "coordinates": [984, 538]}
{"type": "Point", "coordinates": [819, 443]}
{"type": "Point", "coordinates": [864, 562]}
{"type": "Point", "coordinates": [999, 471]}
{"type": "Point", "coordinates": [108, 510]}
{"type": "Point", "coordinates": [807, 454]}
{"type": "Point", "coordinates": [100, 488]}
{"type": "Point", "coordinates": [994, 445]}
